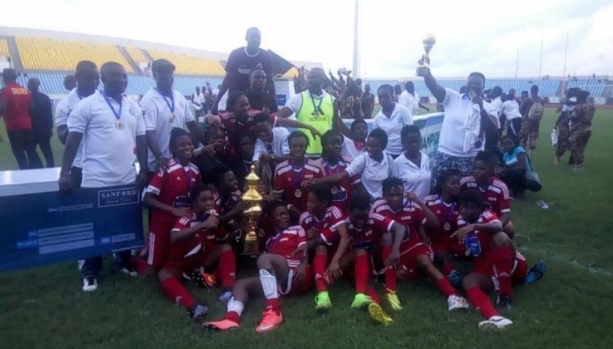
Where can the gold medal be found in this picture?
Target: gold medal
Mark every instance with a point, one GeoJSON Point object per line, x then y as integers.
{"type": "Point", "coordinates": [334, 190]}
{"type": "Point", "coordinates": [447, 226]}
{"type": "Point", "coordinates": [298, 193]}
{"type": "Point", "coordinates": [119, 125]}
{"type": "Point", "coordinates": [315, 114]}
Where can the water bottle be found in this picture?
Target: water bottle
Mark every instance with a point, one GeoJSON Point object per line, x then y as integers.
{"type": "Point", "coordinates": [473, 247]}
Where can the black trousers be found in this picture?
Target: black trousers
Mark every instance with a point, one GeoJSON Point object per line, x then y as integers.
{"type": "Point", "coordinates": [24, 149]}
{"type": "Point", "coordinates": [43, 140]}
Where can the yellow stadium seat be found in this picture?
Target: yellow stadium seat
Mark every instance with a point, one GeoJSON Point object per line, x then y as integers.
{"type": "Point", "coordinates": [136, 54]}
{"type": "Point", "coordinates": [56, 54]}
{"type": "Point", "coordinates": [190, 65]}
{"type": "Point", "coordinates": [292, 73]}
{"type": "Point", "coordinates": [4, 48]}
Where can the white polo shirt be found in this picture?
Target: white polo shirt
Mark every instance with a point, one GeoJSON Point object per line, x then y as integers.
{"type": "Point", "coordinates": [416, 99]}
{"type": "Point", "coordinates": [406, 100]}
{"type": "Point", "coordinates": [458, 107]}
{"type": "Point", "coordinates": [109, 153]}
{"type": "Point", "coordinates": [416, 179]}
{"type": "Point", "coordinates": [278, 146]}
{"type": "Point", "coordinates": [393, 125]}
{"type": "Point", "coordinates": [371, 172]}
{"type": "Point", "coordinates": [350, 150]}
{"type": "Point", "coordinates": [159, 118]}
{"type": "Point", "coordinates": [510, 108]}
{"type": "Point", "coordinates": [62, 110]}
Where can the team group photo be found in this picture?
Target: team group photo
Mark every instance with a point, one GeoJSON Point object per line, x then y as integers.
{"type": "Point", "coordinates": [403, 185]}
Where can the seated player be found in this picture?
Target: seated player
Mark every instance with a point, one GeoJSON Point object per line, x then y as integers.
{"type": "Point", "coordinates": [415, 252]}
{"type": "Point", "coordinates": [230, 207]}
{"type": "Point", "coordinates": [324, 220]}
{"type": "Point", "coordinates": [167, 196]}
{"type": "Point", "coordinates": [354, 140]}
{"type": "Point", "coordinates": [443, 205]}
{"type": "Point", "coordinates": [241, 166]}
{"type": "Point", "coordinates": [494, 191]}
{"type": "Point", "coordinates": [290, 174]}
{"type": "Point", "coordinates": [283, 270]}
{"type": "Point", "coordinates": [187, 250]}
{"type": "Point", "coordinates": [497, 264]}
{"type": "Point", "coordinates": [333, 162]}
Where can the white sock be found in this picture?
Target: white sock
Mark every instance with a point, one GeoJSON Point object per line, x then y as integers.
{"type": "Point", "coordinates": [269, 284]}
{"type": "Point", "coordinates": [236, 306]}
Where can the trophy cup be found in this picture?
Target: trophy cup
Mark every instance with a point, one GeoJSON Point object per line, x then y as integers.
{"type": "Point", "coordinates": [253, 198]}
{"type": "Point", "coordinates": [424, 62]}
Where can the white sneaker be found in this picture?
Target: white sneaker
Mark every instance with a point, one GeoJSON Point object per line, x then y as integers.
{"type": "Point", "coordinates": [225, 297]}
{"type": "Point", "coordinates": [80, 263]}
{"type": "Point", "coordinates": [128, 271]}
{"type": "Point", "coordinates": [495, 323]}
{"type": "Point", "coordinates": [90, 284]}
{"type": "Point", "coordinates": [457, 302]}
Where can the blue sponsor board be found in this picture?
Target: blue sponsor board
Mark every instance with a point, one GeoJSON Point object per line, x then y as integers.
{"type": "Point", "coordinates": [281, 100]}
{"type": "Point", "coordinates": [50, 227]}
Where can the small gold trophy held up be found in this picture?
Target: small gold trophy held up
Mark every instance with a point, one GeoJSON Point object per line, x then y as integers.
{"type": "Point", "coordinates": [424, 62]}
{"type": "Point", "coordinates": [253, 198]}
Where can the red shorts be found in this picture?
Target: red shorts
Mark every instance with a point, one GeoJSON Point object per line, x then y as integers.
{"type": "Point", "coordinates": [518, 274]}
{"type": "Point", "coordinates": [449, 245]}
{"type": "Point", "coordinates": [159, 241]}
{"type": "Point", "coordinates": [187, 264]}
{"type": "Point", "coordinates": [292, 288]}
{"type": "Point", "coordinates": [408, 256]}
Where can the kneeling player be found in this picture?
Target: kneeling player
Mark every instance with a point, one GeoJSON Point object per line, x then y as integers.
{"type": "Point", "coordinates": [497, 265]}
{"type": "Point", "coordinates": [283, 270]}
{"type": "Point", "coordinates": [321, 220]}
{"type": "Point", "coordinates": [415, 255]}
{"type": "Point", "coordinates": [186, 250]}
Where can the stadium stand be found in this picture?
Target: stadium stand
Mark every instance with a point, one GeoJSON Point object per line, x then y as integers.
{"type": "Point", "coordinates": [54, 54]}
{"type": "Point", "coordinates": [190, 65]}
{"type": "Point", "coordinates": [594, 86]}
{"type": "Point", "coordinates": [292, 73]}
{"type": "Point", "coordinates": [136, 54]}
{"type": "Point", "coordinates": [4, 48]}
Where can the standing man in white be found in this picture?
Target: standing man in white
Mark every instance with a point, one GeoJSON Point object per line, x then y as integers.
{"type": "Point", "coordinates": [112, 130]}
{"type": "Point", "coordinates": [163, 110]}
{"type": "Point", "coordinates": [391, 118]}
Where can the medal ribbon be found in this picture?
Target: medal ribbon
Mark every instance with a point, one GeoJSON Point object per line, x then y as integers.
{"type": "Point", "coordinates": [171, 104]}
{"type": "Point", "coordinates": [317, 108]}
{"type": "Point", "coordinates": [449, 211]}
{"type": "Point", "coordinates": [297, 179]}
{"type": "Point", "coordinates": [115, 112]}
{"type": "Point", "coordinates": [187, 174]}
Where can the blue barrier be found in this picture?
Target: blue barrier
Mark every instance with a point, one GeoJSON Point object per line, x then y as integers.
{"type": "Point", "coordinates": [49, 227]}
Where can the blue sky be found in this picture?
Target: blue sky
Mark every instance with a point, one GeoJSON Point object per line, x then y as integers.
{"type": "Point", "coordinates": [474, 35]}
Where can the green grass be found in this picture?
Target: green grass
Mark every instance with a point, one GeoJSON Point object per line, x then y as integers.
{"type": "Point", "coordinates": [570, 308]}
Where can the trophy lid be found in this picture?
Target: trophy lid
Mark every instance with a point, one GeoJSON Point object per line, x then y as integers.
{"type": "Point", "coordinates": [429, 40]}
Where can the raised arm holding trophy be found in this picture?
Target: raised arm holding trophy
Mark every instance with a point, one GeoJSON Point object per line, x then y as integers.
{"type": "Point", "coordinates": [424, 62]}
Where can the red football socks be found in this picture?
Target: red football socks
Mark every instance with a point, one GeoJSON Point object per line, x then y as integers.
{"type": "Point", "coordinates": [227, 268]}
{"type": "Point", "coordinates": [390, 273]}
{"type": "Point", "coordinates": [361, 271]}
{"type": "Point", "coordinates": [272, 303]}
{"type": "Point", "coordinates": [445, 287]}
{"type": "Point", "coordinates": [481, 302]}
{"type": "Point", "coordinates": [502, 258]}
{"type": "Point", "coordinates": [233, 316]}
{"type": "Point", "coordinates": [176, 292]}
{"type": "Point", "coordinates": [320, 262]}
{"type": "Point", "coordinates": [372, 293]}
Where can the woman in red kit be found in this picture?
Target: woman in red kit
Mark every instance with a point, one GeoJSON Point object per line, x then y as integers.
{"type": "Point", "coordinates": [283, 270]}
{"type": "Point", "coordinates": [497, 264]}
{"type": "Point", "coordinates": [333, 162]}
{"type": "Point", "coordinates": [290, 174]}
{"type": "Point", "coordinates": [443, 205]}
{"type": "Point", "coordinates": [327, 222]}
{"type": "Point", "coordinates": [186, 250]}
{"type": "Point", "coordinates": [415, 252]}
{"type": "Point", "coordinates": [167, 196]}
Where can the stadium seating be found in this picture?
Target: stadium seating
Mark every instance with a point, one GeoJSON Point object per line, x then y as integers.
{"type": "Point", "coordinates": [4, 49]}
{"type": "Point", "coordinates": [190, 65]}
{"type": "Point", "coordinates": [136, 54]}
{"type": "Point", "coordinates": [56, 54]}
{"type": "Point", "coordinates": [595, 86]}
{"type": "Point", "coordinates": [290, 74]}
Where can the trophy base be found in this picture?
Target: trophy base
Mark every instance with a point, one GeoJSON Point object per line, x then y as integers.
{"type": "Point", "coordinates": [422, 70]}
{"type": "Point", "coordinates": [251, 248]}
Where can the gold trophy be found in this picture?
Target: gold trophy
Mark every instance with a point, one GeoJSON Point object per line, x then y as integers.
{"type": "Point", "coordinates": [424, 62]}
{"type": "Point", "coordinates": [253, 198]}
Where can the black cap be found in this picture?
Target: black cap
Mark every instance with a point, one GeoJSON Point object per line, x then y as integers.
{"type": "Point", "coordinates": [160, 64]}
{"type": "Point", "coordinates": [9, 73]}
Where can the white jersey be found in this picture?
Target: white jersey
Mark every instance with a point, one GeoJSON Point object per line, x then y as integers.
{"type": "Point", "coordinates": [62, 111]}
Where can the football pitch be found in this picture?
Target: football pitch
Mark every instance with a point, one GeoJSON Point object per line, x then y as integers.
{"type": "Point", "coordinates": [571, 307]}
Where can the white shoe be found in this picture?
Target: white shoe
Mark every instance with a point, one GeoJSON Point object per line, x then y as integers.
{"type": "Point", "coordinates": [225, 297]}
{"type": "Point", "coordinates": [80, 263]}
{"type": "Point", "coordinates": [90, 284]}
{"type": "Point", "coordinates": [457, 302]}
{"type": "Point", "coordinates": [128, 271]}
{"type": "Point", "coordinates": [495, 323]}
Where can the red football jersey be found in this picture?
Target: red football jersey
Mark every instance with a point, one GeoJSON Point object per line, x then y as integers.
{"type": "Point", "coordinates": [496, 194]}
{"type": "Point", "coordinates": [286, 242]}
{"type": "Point", "coordinates": [172, 186]}
{"type": "Point", "coordinates": [447, 215]}
{"type": "Point", "coordinates": [222, 207]}
{"type": "Point", "coordinates": [409, 215]}
{"type": "Point", "coordinates": [371, 233]}
{"type": "Point", "coordinates": [288, 181]}
{"type": "Point", "coordinates": [485, 239]}
{"type": "Point", "coordinates": [204, 239]}
{"type": "Point", "coordinates": [341, 192]}
{"type": "Point", "coordinates": [326, 226]}
{"type": "Point", "coordinates": [233, 128]}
